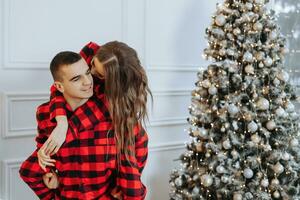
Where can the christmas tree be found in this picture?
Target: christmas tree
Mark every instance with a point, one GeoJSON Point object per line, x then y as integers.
{"type": "Point", "coordinates": [243, 125]}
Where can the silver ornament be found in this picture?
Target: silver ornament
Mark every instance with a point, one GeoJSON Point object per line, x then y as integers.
{"type": "Point", "coordinates": [285, 156]}
{"type": "Point", "coordinates": [268, 61]}
{"type": "Point", "coordinates": [206, 180]}
{"type": "Point", "coordinates": [261, 65]}
{"type": "Point", "coordinates": [234, 154]}
{"type": "Point", "coordinates": [236, 31]}
{"type": "Point", "coordinates": [220, 169]}
{"type": "Point", "coordinates": [224, 179]}
{"type": "Point", "coordinates": [276, 82]}
{"type": "Point", "coordinates": [249, 69]}
{"type": "Point", "coordinates": [264, 182]}
{"type": "Point", "coordinates": [252, 127]}
{"type": "Point", "coordinates": [232, 109]}
{"type": "Point", "coordinates": [248, 57]}
{"type": "Point", "coordinates": [248, 173]}
{"type": "Point", "coordinates": [206, 83]}
{"type": "Point", "coordinates": [275, 182]}
{"type": "Point", "coordinates": [212, 90]}
{"type": "Point", "coordinates": [262, 104]}
{"type": "Point", "coordinates": [283, 76]}
{"type": "Point", "coordinates": [178, 182]}
{"type": "Point", "coordinates": [226, 144]}
{"type": "Point", "coordinates": [279, 111]}
{"type": "Point", "coordinates": [278, 168]}
{"type": "Point", "coordinates": [255, 138]}
{"type": "Point", "coordinates": [271, 125]}
{"type": "Point", "coordinates": [260, 55]}
{"type": "Point", "coordinates": [220, 20]}
{"type": "Point", "coordinates": [258, 26]}
{"type": "Point", "coordinates": [249, 6]}
{"type": "Point", "coordinates": [203, 133]}
{"type": "Point", "coordinates": [294, 142]}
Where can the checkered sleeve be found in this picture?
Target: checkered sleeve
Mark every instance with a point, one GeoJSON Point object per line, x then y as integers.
{"type": "Point", "coordinates": [129, 177]}
{"type": "Point", "coordinates": [88, 52]}
{"type": "Point", "coordinates": [57, 104]}
{"type": "Point", "coordinates": [30, 171]}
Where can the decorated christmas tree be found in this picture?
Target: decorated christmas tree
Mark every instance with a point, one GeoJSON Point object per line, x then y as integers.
{"type": "Point", "coordinates": [243, 125]}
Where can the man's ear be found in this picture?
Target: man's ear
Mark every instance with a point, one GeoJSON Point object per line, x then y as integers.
{"type": "Point", "coordinates": [59, 86]}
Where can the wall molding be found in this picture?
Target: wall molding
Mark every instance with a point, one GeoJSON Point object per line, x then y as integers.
{"type": "Point", "coordinates": [167, 146]}
{"type": "Point", "coordinates": [6, 115]}
{"type": "Point", "coordinates": [8, 166]}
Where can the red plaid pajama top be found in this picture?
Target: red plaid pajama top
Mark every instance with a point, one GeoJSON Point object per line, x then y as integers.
{"type": "Point", "coordinates": [86, 162]}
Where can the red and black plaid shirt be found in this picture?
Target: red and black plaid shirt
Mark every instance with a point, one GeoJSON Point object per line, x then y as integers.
{"type": "Point", "coordinates": [86, 162]}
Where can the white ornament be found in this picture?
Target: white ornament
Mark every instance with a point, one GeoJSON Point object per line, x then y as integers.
{"type": "Point", "coordinates": [262, 104]}
{"type": "Point", "coordinates": [248, 57]}
{"type": "Point", "coordinates": [237, 196]}
{"type": "Point", "coordinates": [206, 83]}
{"type": "Point", "coordinates": [252, 127]}
{"type": "Point", "coordinates": [276, 194]}
{"type": "Point", "coordinates": [258, 26]}
{"type": "Point", "coordinates": [232, 109]}
{"type": "Point", "coordinates": [275, 182]}
{"type": "Point", "coordinates": [207, 155]}
{"type": "Point", "coordinates": [203, 133]}
{"type": "Point", "coordinates": [280, 111]}
{"type": "Point", "coordinates": [212, 90]}
{"type": "Point", "coordinates": [220, 169]}
{"type": "Point", "coordinates": [286, 156]}
{"type": "Point", "coordinates": [234, 154]}
{"type": "Point", "coordinates": [283, 76]}
{"type": "Point", "coordinates": [278, 168]}
{"type": "Point", "coordinates": [206, 180]}
{"type": "Point", "coordinates": [249, 6]}
{"type": "Point", "coordinates": [271, 125]}
{"type": "Point", "coordinates": [294, 142]}
{"type": "Point", "coordinates": [226, 144]}
{"type": "Point", "coordinates": [178, 182]}
{"type": "Point", "coordinates": [261, 65]}
{"type": "Point", "coordinates": [235, 125]}
{"type": "Point", "coordinates": [264, 182]}
{"type": "Point", "coordinates": [255, 138]}
{"type": "Point", "coordinates": [276, 82]}
{"type": "Point", "coordinates": [224, 179]}
{"type": "Point", "coordinates": [268, 61]}
{"type": "Point", "coordinates": [249, 69]}
{"type": "Point", "coordinates": [220, 20]}
{"type": "Point", "coordinates": [236, 31]}
{"type": "Point", "coordinates": [248, 173]}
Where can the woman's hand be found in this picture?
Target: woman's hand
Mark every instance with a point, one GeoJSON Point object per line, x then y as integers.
{"type": "Point", "coordinates": [44, 160]}
{"type": "Point", "coordinates": [51, 180]}
{"type": "Point", "coordinates": [57, 137]}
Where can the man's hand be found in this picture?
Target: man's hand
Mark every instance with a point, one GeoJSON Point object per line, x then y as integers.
{"type": "Point", "coordinates": [43, 159]}
{"type": "Point", "coordinates": [57, 137]}
{"type": "Point", "coordinates": [51, 180]}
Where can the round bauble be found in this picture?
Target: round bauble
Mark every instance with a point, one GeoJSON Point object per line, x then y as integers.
{"type": "Point", "coordinates": [249, 69]}
{"type": "Point", "coordinates": [280, 111]}
{"type": "Point", "coordinates": [255, 138]}
{"type": "Point", "coordinates": [226, 144]}
{"type": "Point", "coordinates": [237, 196]}
{"type": "Point", "coordinates": [264, 183]}
{"type": "Point", "coordinates": [271, 125]}
{"type": "Point", "coordinates": [262, 104]}
{"type": "Point", "coordinates": [220, 20]}
{"type": "Point", "coordinates": [248, 57]}
{"type": "Point", "coordinates": [283, 76]}
{"type": "Point", "coordinates": [268, 61]}
{"type": "Point", "coordinates": [294, 142]}
{"type": "Point", "coordinates": [206, 180]}
{"type": "Point", "coordinates": [252, 127]}
{"type": "Point", "coordinates": [276, 194]}
{"type": "Point", "coordinates": [232, 109]}
{"type": "Point", "coordinates": [278, 168]}
{"type": "Point", "coordinates": [258, 26]}
{"type": "Point", "coordinates": [248, 173]}
{"type": "Point", "coordinates": [212, 90]}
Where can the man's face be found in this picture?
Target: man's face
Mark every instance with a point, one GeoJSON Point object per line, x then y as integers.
{"type": "Point", "coordinates": [77, 81]}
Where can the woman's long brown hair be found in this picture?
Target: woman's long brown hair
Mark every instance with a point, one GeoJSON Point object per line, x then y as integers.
{"type": "Point", "coordinates": [126, 89]}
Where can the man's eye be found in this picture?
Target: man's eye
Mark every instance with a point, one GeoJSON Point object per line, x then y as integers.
{"type": "Point", "coordinates": [75, 79]}
{"type": "Point", "coordinates": [88, 72]}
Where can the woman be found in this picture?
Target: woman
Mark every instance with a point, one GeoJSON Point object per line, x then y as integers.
{"type": "Point", "coordinates": [116, 65]}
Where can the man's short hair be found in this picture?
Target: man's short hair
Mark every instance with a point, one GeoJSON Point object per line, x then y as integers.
{"type": "Point", "coordinates": [61, 59]}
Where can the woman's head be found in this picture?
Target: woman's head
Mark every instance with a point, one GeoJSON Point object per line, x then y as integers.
{"type": "Point", "coordinates": [126, 88]}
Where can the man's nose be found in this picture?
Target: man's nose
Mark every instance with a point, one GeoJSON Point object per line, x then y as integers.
{"type": "Point", "coordinates": [87, 80]}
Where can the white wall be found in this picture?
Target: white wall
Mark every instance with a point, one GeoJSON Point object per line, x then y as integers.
{"type": "Point", "coordinates": [168, 35]}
